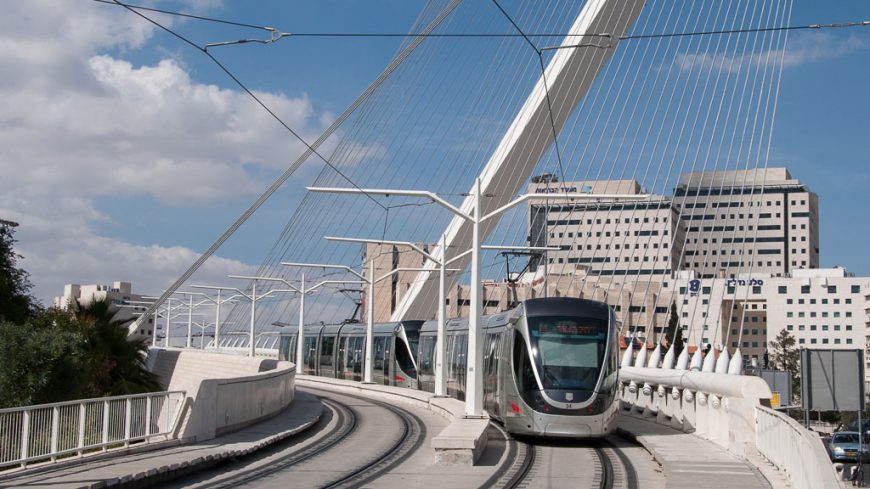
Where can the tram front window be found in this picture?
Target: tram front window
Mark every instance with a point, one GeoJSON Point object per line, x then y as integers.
{"type": "Point", "coordinates": [568, 351]}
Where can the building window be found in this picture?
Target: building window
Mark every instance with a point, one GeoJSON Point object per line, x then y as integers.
{"type": "Point", "coordinates": [789, 314]}
{"type": "Point", "coordinates": [848, 341]}
{"type": "Point", "coordinates": [783, 289]}
{"type": "Point", "coordinates": [789, 301]}
{"type": "Point", "coordinates": [856, 289]}
{"type": "Point", "coordinates": [705, 290]}
{"type": "Point", "coordinates": [790, 327]}
{"type": "Point", "coordinates": [756, 289]}
{"type": "Point", "coordinates": [802, 341]}
{"type": "Point", "coordinates": [825, 341]}
{"type": "Point", "coordinates": [805, 289]}
{"type": "Point", "coordinates": [813, 327]}
{"type": "Point", "coordinates": [832, 289]}
{"type": "Point", "coordinates": [848, 327]}
{"type": "Point", "coordinates": [802, 328]}
{"type": "Point", "coordinates": [848, 301]}
{"type": "Point", "coordinates": [813, 341]}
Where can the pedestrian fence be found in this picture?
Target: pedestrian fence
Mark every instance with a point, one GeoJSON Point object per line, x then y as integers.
{"type": "Point", "coordinates": [50, 432]}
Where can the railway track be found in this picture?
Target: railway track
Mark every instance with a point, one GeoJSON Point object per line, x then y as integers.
{"type": "Point", "coordinates": [527, 462]}
{"type": "Point", "coordinates": [346, 423]}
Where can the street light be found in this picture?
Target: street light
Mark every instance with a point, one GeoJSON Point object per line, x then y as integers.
{"type": "Point", "coordinates": [302, 291]}
{"type": "Point", "coordinates": [474, 384]}
{"type": "Point", "coordinates": [253, 298]}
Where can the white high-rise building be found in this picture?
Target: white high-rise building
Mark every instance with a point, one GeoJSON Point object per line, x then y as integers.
{"type": "Point", "coordinates": [118, 294]}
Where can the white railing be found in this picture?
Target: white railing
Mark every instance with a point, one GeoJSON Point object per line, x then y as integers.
{"type": "Point", "coordinates": [797, 452]}
{"type": "Point", "coordinates": [49, 432]}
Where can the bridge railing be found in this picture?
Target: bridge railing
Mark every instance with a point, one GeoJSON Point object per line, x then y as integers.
{"type": "Point", "coordinates": [794, 450]}
{"type": "Point", "coordinates": [50, 432]}
{"type": "Point", "coordinates": [731, 411]}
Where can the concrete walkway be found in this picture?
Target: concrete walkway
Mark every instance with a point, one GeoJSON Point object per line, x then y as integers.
{"type": "Point", "coordinates": [690, 462]}
{"type": "Point", "coordinates": [154, 466]}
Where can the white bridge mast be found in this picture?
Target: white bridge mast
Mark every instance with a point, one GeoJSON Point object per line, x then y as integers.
{"type": "Point", "coordinates": [569, 76]}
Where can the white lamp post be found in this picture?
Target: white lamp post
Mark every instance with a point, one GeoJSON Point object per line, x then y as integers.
{"type": "Point", "coordinates": [474, 383]}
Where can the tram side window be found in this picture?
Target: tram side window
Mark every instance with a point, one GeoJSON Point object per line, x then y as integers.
{"type": "Point", "coordinates": [427, 355]}
{"type": "Point", "coordinates": [522, 365]}
{"type": "Point", "coordinates": [291, 353]}
{"type": "Point", "coordinates": [326, 347]}
{"type": "Point", "coordinates": [403, 358]}
{"type": "Point", "coordinates": [284, 349]}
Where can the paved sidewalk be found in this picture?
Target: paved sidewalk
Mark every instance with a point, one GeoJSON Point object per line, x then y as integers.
{"type": "Point", "coordinates": [690, 462]}
{"type": "Point", "coordinates": [155, 466]}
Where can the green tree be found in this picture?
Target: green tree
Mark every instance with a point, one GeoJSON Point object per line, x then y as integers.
{"type": "Point", "coordinates": [115, 363]}
{"type": "Point", "coordinates": [16, 303]}
{"type": "Point", "coordinates": [41, 361]}
{"type": "Point", "coordinates": [784, 356]}
{"type": "Point", "coordinates": [674, 333]}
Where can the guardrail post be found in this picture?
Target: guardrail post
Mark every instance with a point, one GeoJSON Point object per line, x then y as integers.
{"type": "Point", "coordinates": [148, 416]}
{"type": "Point", "coordinates": [55, 420]}
{"type": "Point", "coordinates": [25, 437]}
{"type": "Point", "coordinates": [128, 411]}
{"type": "Point", "coordinates": [81, 443]}
{"type": "Point", "coordinates": [105, 425]}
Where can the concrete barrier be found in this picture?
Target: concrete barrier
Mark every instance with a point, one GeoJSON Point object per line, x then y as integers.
{"type": "Point", "coordinates": [732, 411]}
{"type": "Point", "coordinates": [225, 392]}
{"type": "Point", "coordinates": [460, 443]}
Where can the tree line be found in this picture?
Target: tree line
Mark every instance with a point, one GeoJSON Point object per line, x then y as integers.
{"type": "Point", "coordinates": [51, 355]}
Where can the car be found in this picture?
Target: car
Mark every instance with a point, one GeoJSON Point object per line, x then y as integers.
{"type": "Point", "coordinates": [853, 426]}
{"type": "Point", "coordinates": [843, 447]}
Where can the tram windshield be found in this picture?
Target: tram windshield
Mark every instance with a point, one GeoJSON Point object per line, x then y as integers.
{"type": "Point", "coordinates": [568, 351]}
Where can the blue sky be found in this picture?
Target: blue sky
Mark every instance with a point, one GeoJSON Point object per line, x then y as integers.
{"type": "Point", "coordinates": [159, 215]}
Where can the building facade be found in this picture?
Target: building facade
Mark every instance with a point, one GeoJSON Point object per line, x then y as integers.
{"type": "Point", "coordinates": [119, 294]}
{"type": "Point", "coordinates": [760, 220]}
{"type": "Point", "coordinates": [821, 308]}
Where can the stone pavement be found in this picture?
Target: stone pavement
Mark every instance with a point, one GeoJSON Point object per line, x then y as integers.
{"type": "Point", "coordinates": [158, 465]}
{"type": "Point", "coordinates": [690, 462]}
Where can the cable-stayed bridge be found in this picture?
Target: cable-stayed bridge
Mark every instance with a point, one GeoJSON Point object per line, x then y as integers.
{"type": "Point", "coordinates": [563, 140]}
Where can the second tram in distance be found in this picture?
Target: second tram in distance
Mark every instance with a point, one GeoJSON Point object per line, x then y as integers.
{"type": "Point", "coordinates": [550, 365]}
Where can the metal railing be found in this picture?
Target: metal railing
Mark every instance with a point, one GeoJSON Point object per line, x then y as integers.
{"type": "Point", "coordinates": [50, 432]}
{"type": "Point", "coordinates": [794, 450]}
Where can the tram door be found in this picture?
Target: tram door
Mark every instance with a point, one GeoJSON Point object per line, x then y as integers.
{"type": "Point", "coordinates": [309, 352]}
{"type": "Point", "coordinates": [490, 373]}
{"type": "Point", "coordinates": [382, 360]}
{"type": "Point", "coordinates": [350, 352]}
{"type": "Point", "coordinates": [426, 363]}
{"type": "Point", "coordinates": [327, 367]}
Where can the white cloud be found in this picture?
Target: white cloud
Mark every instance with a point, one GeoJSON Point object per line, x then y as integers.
{"type": "Point", "coordinates": [79, 122]}
{"type": "Point", "coordinates": [802, 48]}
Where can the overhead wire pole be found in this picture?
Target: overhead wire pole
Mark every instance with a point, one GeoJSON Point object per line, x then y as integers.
{"type": "Point", "coordinates": [474, 384]}
{"type": "Point", "coordinates": [302, 291]}
{"type": "Point", "coordinates": [253, 297]}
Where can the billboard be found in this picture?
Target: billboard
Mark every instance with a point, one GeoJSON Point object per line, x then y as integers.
{"type": "Point", "coordinates": [832, 380]}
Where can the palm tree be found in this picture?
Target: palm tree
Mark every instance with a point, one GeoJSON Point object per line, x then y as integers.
{"type": "Point", "coordinates": [116, 364]}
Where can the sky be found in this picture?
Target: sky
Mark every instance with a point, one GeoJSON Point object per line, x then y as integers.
{"type": "Point", "coordinates": [124, 152]}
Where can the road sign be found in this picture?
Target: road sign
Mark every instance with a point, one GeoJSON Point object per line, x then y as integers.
{"type": "Point", "coordinates": [774, 399]}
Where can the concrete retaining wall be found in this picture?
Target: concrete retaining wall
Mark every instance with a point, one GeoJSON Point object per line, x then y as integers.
{"type": "Point", "coordinates": [225, 392]}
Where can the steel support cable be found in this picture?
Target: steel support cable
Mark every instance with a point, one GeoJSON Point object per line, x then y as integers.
{"type": "Point", "coordinates": [679, 143]}
{"type": "Point", "coordinates": [624, 88]}
{"type": "Point", "coordinates": [727, 118]}
{"type": "Point", "coordinates": [710, 250]}
{"type": "Point", "coordinates": [580, 109]}
{"type": "Point", "coordinates": [512, 174]}
{"type": "Point", "coordinates": [583, 102]}
{"type": "Point", "coordinates": [627, 85]}
{"type": "Point", "coordinates": [727, 325]}
{"type": "Point", "coordinates": [775, 80]}
{"type": "Point", "coordinates": [287, 173]}
{"type": "Point", "coordinates": [654, 187]}
{"type": "Point", "coordinates": [637, 84]}
{"type": "Point", "coordinates": [695, 159]}
{"type": "Point", "coordinates": [830, 25]}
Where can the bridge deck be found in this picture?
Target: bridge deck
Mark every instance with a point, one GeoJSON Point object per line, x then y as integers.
{"type": "Point", "coordinates": [691, 462]}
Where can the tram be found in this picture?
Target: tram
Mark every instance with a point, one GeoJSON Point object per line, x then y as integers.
{"type": "Point", "coordinates": [550, 365]}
